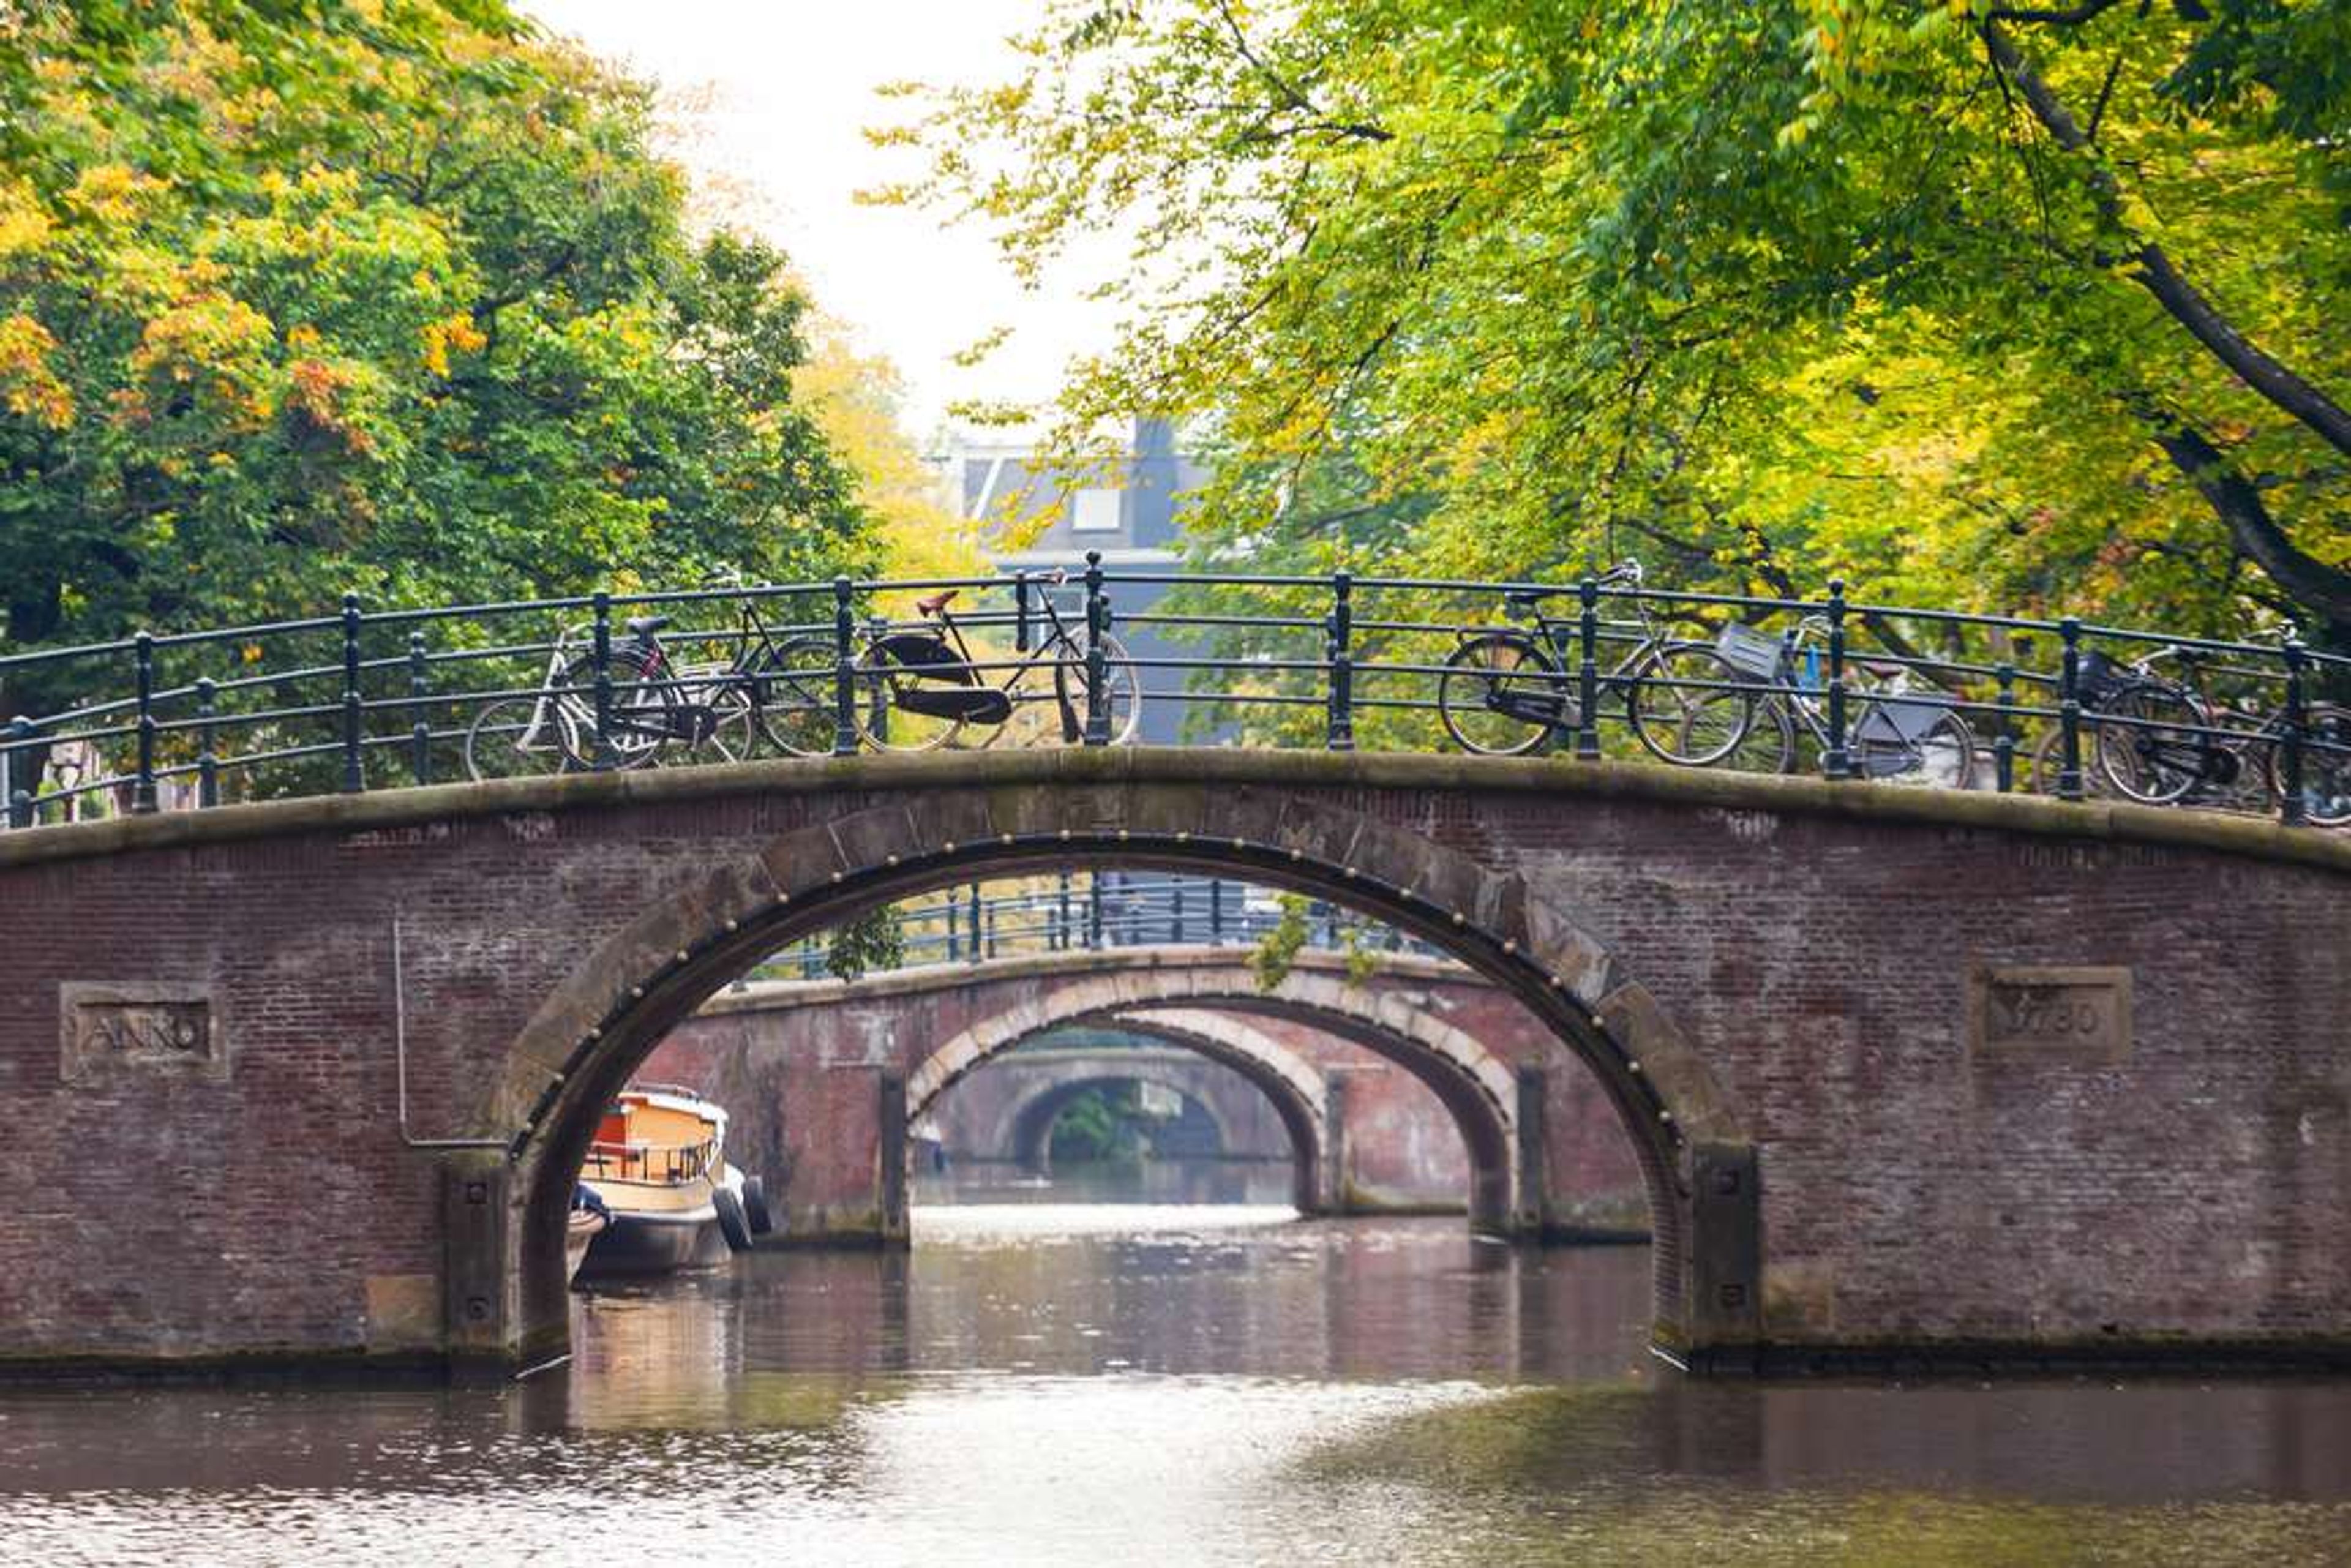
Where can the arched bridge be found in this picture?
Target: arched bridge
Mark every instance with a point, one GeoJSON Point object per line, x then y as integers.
{"type": "Point", "coordinates": [1419, 1080]}
{"type": "Point", "coordinates": [1905, 1072]}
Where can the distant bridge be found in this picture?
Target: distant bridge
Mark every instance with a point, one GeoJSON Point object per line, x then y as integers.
{"type": "Point", "coordinates": [1419, 1082]}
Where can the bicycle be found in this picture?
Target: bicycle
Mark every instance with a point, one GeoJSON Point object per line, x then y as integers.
{"type": "Point", "coordinates": [922, 688]}
{"type": "Point", "coordinates": [781, 693]}
{"type": "Point", "coordinates": [1506, 693]}
{"type": "Point", "coordinates": [1892, 736]}
{"type": "Point", "coordinates": [2157, 741]}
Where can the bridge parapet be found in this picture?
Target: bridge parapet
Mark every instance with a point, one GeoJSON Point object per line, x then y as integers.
{"type": "Point", "coordinates": [383, 697]}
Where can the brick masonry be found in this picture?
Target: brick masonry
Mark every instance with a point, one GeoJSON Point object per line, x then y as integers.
{"type": "Point", "coordinates": [1771, 980]}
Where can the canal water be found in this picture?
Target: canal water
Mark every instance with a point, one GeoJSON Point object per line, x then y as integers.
{"type": "Point", "coordinates": [1042, 1382]}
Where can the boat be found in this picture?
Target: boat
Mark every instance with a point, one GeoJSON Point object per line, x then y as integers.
{"type": "Point", "coordinates": [658, 1166]}
{"type": "Point", "coordinates": [588, 1218]}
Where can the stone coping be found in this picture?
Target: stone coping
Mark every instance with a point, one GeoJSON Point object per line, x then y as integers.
{"type": "Point", "coordinates": [2090, 821]}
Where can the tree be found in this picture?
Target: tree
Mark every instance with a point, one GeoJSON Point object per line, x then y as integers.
{"type": "Point", "coordinates": [1996, 306]}
{"type": "Point", "coordinates": [386, 296]}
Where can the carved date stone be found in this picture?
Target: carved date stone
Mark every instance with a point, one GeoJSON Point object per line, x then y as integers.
{"type": "Point", "coordinates": [120, 1029]}
{"type": "Point", "coordinates": [2079, 1014]}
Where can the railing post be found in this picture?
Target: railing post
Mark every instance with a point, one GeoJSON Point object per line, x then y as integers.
{"type": "Point", "coordinates": [1020, 613]}
{"type": "Point", "coordinates": [1340, 736]}
{"type": "Point", "coordinates": [2003, 746]}
{"type": "Point", "coordinates": [142, 786]}
{"type": "Point", "coordinates": [1587, 671]}
{"type": "Point", "coordinates": [2069, 710]}
{"type": "Point", "coordinates": [1097, 697]}
{"type": "Point", "coordinates": [354, 714]}
{"type": "Point", "coordinates": [1175, 912]}
{"type": "Point", "coordinates": [1215, 911]}
{"type": "Point", "coordinates": [602, 653]}
{"type": "Point", "coordinates": [420, 727]}
{"type": "Point", "coordinates": [20, 799]}
{"type": "Point", "coordinates": [978, 923]}
{"type": "Point", "coordinates": [2294, 809]}
{"type": "Point", "coordinates": [1094, 912]}
{"type": "Point", "coordinates": [955, 930]}
{"type": "Point", "coordinates": [207, 760]}
{"type": "Point", "coordinates": [844, 670]}
{"type": "Point", "coordinates": [1837, 762]}
{"type": "Point", "coordinates": [1061, 925]}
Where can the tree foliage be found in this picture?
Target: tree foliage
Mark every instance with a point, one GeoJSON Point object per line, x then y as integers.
{"type": "Point", "coordinates": [2009, 307]}
{"type": "Point", "coordinates": [388, 296]}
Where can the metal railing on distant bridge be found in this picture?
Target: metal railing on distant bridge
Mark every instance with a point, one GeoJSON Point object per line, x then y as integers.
{"type": "Point", "coordinates": [1087, 911]}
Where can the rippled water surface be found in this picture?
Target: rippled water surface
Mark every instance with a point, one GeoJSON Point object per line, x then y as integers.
{"type": "Point", "coordinates": [1047, 1384]}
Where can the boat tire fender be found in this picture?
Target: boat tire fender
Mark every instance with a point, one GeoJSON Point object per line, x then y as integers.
{"type": "Point", "coordinates": [755, 1205]}
{"type": "Point", "coordinates": [732, 1222]}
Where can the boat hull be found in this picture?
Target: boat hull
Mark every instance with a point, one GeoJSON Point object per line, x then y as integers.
{"type": "Point", "coordinates": [642, 1243]}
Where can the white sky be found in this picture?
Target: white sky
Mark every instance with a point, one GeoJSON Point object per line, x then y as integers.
{"type": "Point", "coordinates": [777, 93]}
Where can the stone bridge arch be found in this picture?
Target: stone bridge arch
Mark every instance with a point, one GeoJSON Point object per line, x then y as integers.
{"type": "Point", "coordinates": [587, 1038]}
{"type": "Point", "coordinates": [1850, 1059]}
{"type": "Point", "coordinates": [1298, 1092]}
{"type": "Point", "coordinates": [1480, 1092]}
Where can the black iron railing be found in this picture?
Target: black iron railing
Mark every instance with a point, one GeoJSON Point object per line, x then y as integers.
{"type": "Point", "coordinates": [367, 699]}
{"type": "Point", "coordinates": [1086, 911]}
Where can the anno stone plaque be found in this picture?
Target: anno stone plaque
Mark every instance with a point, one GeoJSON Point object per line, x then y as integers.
{"type": "Point", "coordinates": [115, 1028]}
{"type": "Point", "coordinates": [2079, 1013]}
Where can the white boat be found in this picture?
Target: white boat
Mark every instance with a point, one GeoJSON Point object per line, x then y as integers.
{"type": "Point", "coordinates": [658, 1164]}
{"type": "Point", "coordinates": [582, 1227]}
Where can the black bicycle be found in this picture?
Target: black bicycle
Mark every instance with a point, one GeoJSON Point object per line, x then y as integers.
{"type": "Point", "coordinates": [2160, 741]}
{"type": "Point", "coordinates": [779, 692]}
{"type": "Point", "coordinates": [1508, 692]}
{"type": "Point", "coordinates": [921, 688]}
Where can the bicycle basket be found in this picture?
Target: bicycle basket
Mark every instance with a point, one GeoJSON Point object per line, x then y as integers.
{"type": "Point", "coordinates": [1749, 652]}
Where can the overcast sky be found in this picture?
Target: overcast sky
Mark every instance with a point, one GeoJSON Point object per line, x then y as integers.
{"type": "Point", "coordinates": [778, 91]}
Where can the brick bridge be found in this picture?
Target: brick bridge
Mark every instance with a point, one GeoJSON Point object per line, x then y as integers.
{"type": "Point", "coordinates": [1903, 1071]}
{"type": "Point", "coordinates": [1422, 1080]}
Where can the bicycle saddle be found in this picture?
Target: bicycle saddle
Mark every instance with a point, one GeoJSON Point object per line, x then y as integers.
{"type": "Point", "coordinates": [645, 625]}
{"type": "Point", "coordinates": [936, 601]}
{"type": "Point", "coordinates": [1530, 596]}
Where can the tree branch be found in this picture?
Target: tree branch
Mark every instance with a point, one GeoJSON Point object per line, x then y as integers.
{"type": "Point", "coordinates": [2238, 504]}
{"type": "Point", "coordinates": [1290, 95]}
{"type": "Point", "coordinates": [2074, 15]}
{"type": "Point", "coordinates": [2157, 274]}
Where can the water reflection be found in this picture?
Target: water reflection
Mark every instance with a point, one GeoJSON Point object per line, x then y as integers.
{"type": "Point", "coordinates": [1050, 1384]}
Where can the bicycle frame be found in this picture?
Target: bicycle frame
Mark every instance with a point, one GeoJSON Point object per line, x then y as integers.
{"type": "Point", "coordinates": [1058, 645]}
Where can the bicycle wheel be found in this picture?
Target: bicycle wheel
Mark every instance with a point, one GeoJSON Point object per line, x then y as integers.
{"type": "Point", "coordinates": [520, 738]}
{"type": "Point", "coordinates": [1767, 744]}
{"type": "Point", "coordinates": [1941, 756]}
{"type": "Point", "coordinates": [643, 713]}
{"type": "Point", "coordinates": [796, 697]}
{"type": "Point", "coordinates": [2325, 765]}
{"type": "Point", "coordinates": [883, 684]}
{"type": "Point", "coordinates": [1500, 696]}
{"type": "Point", "coordinates": [1121, 688]}
{"type": "Point", "coordinates": [2149, 744]}
{"type": "Point", "coordinates": [1676, 704]}
{"type": "Point", "coordinates": [733, 733]}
